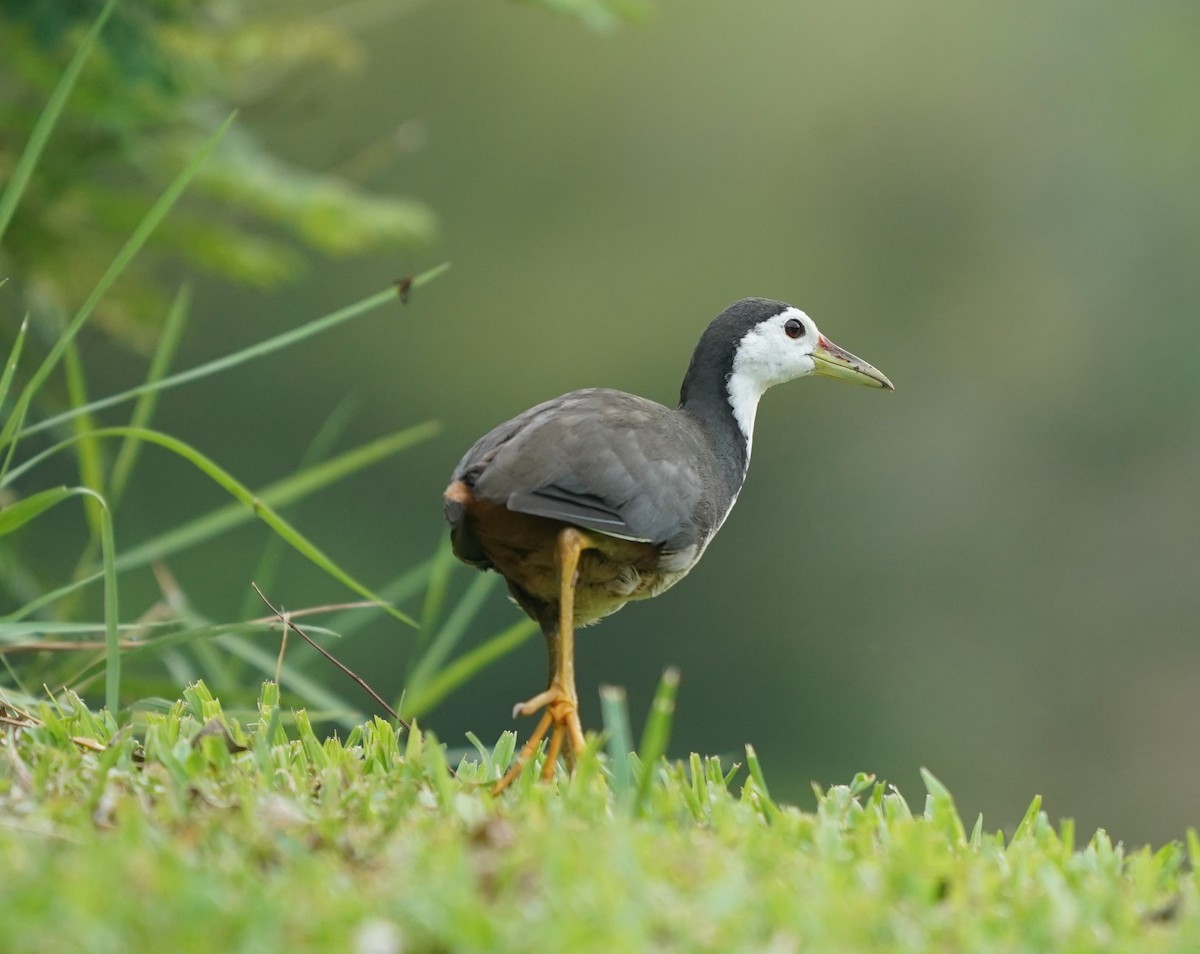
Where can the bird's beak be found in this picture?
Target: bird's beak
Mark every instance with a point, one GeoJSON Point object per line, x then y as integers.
{"type": "Point", "coordinates": [835, 362]}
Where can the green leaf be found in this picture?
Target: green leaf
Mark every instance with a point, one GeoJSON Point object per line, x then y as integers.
{"type": "Point", "coordinates": [326, 211]}
{"type": "Point", "coordinates": [23, 171]}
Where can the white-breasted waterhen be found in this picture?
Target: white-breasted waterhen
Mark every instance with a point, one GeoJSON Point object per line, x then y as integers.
{"type": "Point", "coordinates": [599, 497]}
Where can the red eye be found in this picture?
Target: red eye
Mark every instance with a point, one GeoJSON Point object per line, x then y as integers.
{"type": "Point", "coordinates": [793, 328]}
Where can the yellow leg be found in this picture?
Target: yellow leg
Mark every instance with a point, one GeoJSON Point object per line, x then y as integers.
{"type": "Point", "coordinates": [560, 700]}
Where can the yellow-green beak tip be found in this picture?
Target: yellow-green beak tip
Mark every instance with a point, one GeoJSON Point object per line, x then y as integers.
{"type": "Point", "coordinates": [834, 362]}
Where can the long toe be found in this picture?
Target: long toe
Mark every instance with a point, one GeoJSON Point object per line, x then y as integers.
{"type": "Point", "coordinates": [575, 733]}
{"type": "Point", "coordinates": [543, 700]}
{"type": "Point", "coordinates": [560, 717]}
{"type": "Point", "coordinates": [551, 762]}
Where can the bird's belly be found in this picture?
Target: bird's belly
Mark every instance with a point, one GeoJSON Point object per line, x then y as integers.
{"type": "Point", "coordinates": [603, 585]}
{"type": "Point", "coordinates": [595, 600]}
{"type": "Point", "coordinates": [612, 571]}
{"type": "Point", "coordinates": [610, 574]}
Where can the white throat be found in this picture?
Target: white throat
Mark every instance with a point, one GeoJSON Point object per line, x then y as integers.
{"type": "Point", "coordinates": [744, 391]}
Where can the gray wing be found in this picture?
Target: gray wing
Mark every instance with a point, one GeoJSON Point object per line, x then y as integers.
{"type": "Point", "coordinates": [602, 460]}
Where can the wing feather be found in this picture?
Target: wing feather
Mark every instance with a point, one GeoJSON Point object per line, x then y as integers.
{"type": "Point", "coordinates": [603, 460]}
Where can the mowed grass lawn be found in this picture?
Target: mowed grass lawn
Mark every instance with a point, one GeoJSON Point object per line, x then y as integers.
{"type": "Point", "coordinates": [197, 832]}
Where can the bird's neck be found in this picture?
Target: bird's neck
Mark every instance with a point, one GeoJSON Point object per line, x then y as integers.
{"type": "Point", "coordinates": [724, 408]}
{"type": "Point", "coordinates": [742, 393]}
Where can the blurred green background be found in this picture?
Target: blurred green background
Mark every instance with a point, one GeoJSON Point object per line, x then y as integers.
{"type": "Point", "coordinates": [991, 573]}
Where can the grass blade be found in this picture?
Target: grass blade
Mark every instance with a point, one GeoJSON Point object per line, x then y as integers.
{"type": "Point", "coordinates": [205, 527]}
{"type": "Point", "coordinates": [266, 570]}
{"type": "Point", "coordinates": [112, 645]}
{"type": "Point", "coordinates": [20, 513]}
{"type": "Point", "coordinates": [143, 410]}
{"type": "Point", "coordinates": [230, 638]}
{"type": "Point", "coordinates": [756, 772]}
{"type": "Point", "coordinates": [311, 691]}
{"type": "Point", "coordinates": [259, 350]}
{"type": "Point", "coordinates": [419, 701]}
{"type": "Point", "coordinates": [940, 808]}
{"type": "Point", "coordinates": [256, 505]}
{"type": "Point", "coordinates": [349, 622]}
{"type": "Point", "coordinates": [149, 222]}
{"type": "Point", "coordinates": [10, 368]}
{"type": "Point", "coordinates": [449, 635]}
{"type": "Point", "coordinates": [25, 510]}
{"type": "Point", "coordinates": [279, 494]}
{"type": "Point", "coordinates": [615, 712]}
{"type": "Point", "coordinates": [90, 459]}
{"type": "Point", "coordinates": [657, 733]}
{"type": "Point", "coordinates": [756, 789]}
{"type": "Point", "coordinates": [23, 171]}
{"type": "Point", "coordinates": [435, 592]}
{"type": "Point", "coordinates": [1028, 822]}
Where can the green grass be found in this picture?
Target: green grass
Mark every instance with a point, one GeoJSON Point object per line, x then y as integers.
{"type": "Point", "coordinates": [198, 833]}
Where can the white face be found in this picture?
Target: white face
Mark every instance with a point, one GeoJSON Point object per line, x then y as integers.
{"type": "Point", "coordinates": [773, 351]}
{"type": "Point", "coordinates": [778, 349]}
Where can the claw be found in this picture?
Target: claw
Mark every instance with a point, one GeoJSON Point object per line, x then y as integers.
{"type": "Point", "coordinates": [539, 702]}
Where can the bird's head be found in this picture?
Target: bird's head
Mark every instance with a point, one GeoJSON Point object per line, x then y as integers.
{"type": "Point", "coordinates": [773, 342]}
{"type": "Point", "coordinates": [756, 343]}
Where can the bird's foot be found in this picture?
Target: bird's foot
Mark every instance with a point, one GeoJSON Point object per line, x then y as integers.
{"type": "Point", "coordinates": [560, 717]}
